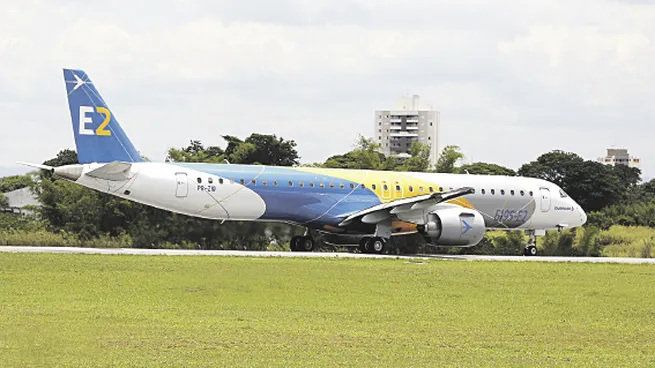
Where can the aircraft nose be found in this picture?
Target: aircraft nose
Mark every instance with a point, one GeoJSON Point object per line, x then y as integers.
{"type": "Point", "coordinates": [583, 217]}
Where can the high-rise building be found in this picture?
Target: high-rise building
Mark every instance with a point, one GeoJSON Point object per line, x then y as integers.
{"type": "Point", "coordinates": [410, 121]}
{"type": "Point", "coordinates": [619, 156]}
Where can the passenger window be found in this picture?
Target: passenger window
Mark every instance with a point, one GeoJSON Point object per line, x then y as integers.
{"type": "Point", "coordinates": [373, 186]}
{"type": "Point", "coordinates": [210, 180]}
{"type": "Point", "coordinates": [220, 181]}
{"type": "Point", "coordinates": [420, 189]}
{"type": "Point", "coordinates": [352, 186]}
{"type": "Point", "coordinates": [254, 182]}
{"type": "Point", "coordinates": [531, 194]}
{"type": "Point", "coordinates": [290, 183]}
{"type": "Point", "coordinates": [522, 193]}
{"type": "Point", "coordinates": [502, 192]}
{"type": "Point", "coordinates": [199, 180]}
{"type": "Point", "coordinates": [411, 188]}
{"type": "Point", "coordinates": [483, 191]}
{"type": "Point", "coordinates": [331, 185]}
{"type": "Point", "coordinates": [231, 181]}
{"type": "Point", "coordinates": [311, 184]}
{"type": "Point", "coordinates": [363, 186]}
{"type": "Point", "coordinates": [493, 191]}
{"type": "Point", "coordinates": [302, 185]}
{"type": "Point", "coordinates": [264, 182]}
{"type": "Point", "coordinates": [322, 185]}
{"type": "Point", "coordinates": [275, 183]}
{"type": "Point", "coordinates": [242, 181]}
{"type": "Point", "coordinates": [440, 189]}
{"type": "Point", "coordinates": [398, 188]}
{"type": "Point", "coordinates": [431, 189]}
{"type": "Point", "coordinates": [341, 186]}
{"type": "Point", "coordinates": [511, 192]}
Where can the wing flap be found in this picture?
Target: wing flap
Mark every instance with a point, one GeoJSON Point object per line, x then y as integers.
{"type": "Point", "coordinates": [382, 211]}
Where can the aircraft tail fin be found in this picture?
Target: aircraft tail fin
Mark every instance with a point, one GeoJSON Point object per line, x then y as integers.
{"type": "Point", "coordinates": [98, 136]}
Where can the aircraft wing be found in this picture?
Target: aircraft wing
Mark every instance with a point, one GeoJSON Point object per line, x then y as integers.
{"type": "Point", "coordinates": [382, 211]}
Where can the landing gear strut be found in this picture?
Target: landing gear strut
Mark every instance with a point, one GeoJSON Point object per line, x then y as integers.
{"type": "Point", "coordinates": [375, 245]}
{"type": "Point", "coordinates": [531, 249]}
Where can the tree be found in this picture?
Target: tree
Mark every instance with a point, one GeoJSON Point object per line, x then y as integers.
{"type": "Point", "coordinates": [365, 155]}
{"type": "Point", "coordinates": [257, 149]}
{"type": "Point", "coordinates": [196, 152]}
{"type": "Point", "coordinates": [553, 166]}
{"type": "Point", "coordinates": [419, 160]}
{"type": "Point", "coordinates": [4, 203]}
{"type": "Point", "coordinates": [270, 150]}
{"type": "Point", "coordinates": [592, 184]}
{"type": "Point", "coordinates": [483, 168]}
{"type": "Point", "coordinates": [448, 158]}
{"type": "Point", "coordinates": [11, 183]}
{"type": "Point", "coordinates": [64, 157]}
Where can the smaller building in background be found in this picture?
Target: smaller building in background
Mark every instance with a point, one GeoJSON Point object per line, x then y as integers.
{"type": "Point", "coordinates": [619, 156]}
{"type": "Point", "coordinates": [22, 201]}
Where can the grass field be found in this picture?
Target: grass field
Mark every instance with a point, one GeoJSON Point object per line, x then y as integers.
{"type": "Point", "coordinates": [145, 311]}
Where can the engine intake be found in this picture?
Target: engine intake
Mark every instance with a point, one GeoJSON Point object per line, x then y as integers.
{"type": "Point", "coordinates": [455, 227]}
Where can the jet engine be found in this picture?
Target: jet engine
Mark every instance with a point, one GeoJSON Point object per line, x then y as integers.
{"type": "Point", "coordinates": [454, 227]}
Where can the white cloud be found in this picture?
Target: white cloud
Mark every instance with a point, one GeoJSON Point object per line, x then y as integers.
{"type": "Point", "coordinates": [512, 79]}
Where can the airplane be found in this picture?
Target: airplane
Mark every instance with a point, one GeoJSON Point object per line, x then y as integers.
{"type": "Point", "coordinates": [447, 210]}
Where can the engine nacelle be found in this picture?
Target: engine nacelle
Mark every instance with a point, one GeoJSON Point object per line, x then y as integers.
{"type": "Point", "coordinates": [455, 227]}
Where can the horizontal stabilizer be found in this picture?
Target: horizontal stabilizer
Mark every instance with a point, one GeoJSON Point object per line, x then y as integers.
{"type": "Point", "coordinates": [37, 166]}
{"type": "Point", "coordinates": [115, 171]}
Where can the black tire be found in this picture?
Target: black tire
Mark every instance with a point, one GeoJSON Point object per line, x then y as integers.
{"type": "Point", "coordinates": [530, 251]}
{"type": "Point", "coordinates": [377, 245]}
{"type": "Point", "coordinates": [305, 244]}
{"type": "Point", "coordinates": [293, 243]}
{"type": "Point", "coordinates": [363, 245]}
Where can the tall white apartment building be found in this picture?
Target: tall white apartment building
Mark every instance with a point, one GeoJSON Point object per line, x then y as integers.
{"type": "Point", "coordinates": [410, 121]}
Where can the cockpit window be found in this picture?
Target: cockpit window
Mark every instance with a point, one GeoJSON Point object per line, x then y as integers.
{"type": "Point", "coordinates": [562, 194]}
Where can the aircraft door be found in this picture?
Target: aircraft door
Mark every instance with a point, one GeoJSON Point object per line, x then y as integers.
{"type": "Point", "coordinates": [545, 199]}
{"type": "Point", "coordinates": [386, 193]}
{"type": "Point", "coordinates": [182, 185]}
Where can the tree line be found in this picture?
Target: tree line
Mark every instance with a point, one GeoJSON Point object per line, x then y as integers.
{"type": "Point", "coordinates": [610, 195]}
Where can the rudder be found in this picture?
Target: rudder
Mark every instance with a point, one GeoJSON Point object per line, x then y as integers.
{"type": "Point", "coordinates": [98, 136]}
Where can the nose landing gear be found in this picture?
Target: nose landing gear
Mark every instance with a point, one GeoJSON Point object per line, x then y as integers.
{"type": "Point", "coordinates": [531, 249]}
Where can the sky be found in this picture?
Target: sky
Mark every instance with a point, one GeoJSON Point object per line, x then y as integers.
{"type": "Point", "coordinates": [512, 79]}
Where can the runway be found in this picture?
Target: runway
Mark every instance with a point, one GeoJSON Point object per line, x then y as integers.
{"type": "Point", "coordinates": [244, 253]}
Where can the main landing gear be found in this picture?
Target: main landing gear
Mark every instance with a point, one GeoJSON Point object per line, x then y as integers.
{"type": "Point", "coordinates": [304, 243]}
{"type": "Point", "coordinates": [375, 245]}
{"type": "Point", "coordinates": [531, 249]}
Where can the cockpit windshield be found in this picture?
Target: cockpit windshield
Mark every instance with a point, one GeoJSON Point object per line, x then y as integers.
{"type": "Point", "coordinates": [562, 194]}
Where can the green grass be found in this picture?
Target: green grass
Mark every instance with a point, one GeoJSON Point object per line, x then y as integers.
{"type": "Point", "coordinates": [145, 311]}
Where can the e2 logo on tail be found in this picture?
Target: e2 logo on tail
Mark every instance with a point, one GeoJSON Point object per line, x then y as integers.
{"type": "Point", "coordinates": [84, 120]}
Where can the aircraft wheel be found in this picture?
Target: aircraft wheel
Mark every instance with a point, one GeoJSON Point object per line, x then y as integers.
{"type": "Point", "coordinates": [364, 245]}
{"type": "Point", "coordinates": [376, 245]}
{"type": "Point", "coordinates": [530, 250]}
{"type": "Point", "coordinates": [294, 243]}
{"type": "Point", "coordinates": [305, 244]}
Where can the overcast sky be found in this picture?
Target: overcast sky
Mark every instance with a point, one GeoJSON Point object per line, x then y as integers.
{"type": "Point", "coordinates": [512, 79]}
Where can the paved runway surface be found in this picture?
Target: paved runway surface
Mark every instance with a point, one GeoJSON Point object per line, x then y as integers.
{"type": "Point", "coordinates": [241, 253]}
